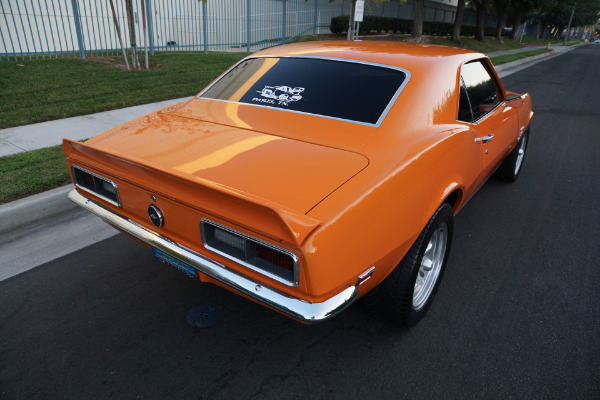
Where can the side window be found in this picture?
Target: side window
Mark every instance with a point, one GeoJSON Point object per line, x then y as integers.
{"type": "Point", "coordinates": [482, 92]}
{"type": "Point", "coordinates": [464, 106]}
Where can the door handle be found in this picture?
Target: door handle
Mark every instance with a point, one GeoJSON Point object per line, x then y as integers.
{"type": "Point", "coordinates": [485, 139]}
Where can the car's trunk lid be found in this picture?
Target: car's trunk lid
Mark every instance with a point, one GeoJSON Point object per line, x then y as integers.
{"type": "Point", "coordinates": [289, 172]}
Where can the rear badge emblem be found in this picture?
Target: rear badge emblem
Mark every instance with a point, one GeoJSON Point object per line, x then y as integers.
{"type": "Point", "coordinates": [156, 216]}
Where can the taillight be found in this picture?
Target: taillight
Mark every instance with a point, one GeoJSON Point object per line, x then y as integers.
{"type": "Point", "coordinates": [95, 184]}
{"type": "Point", "coordinates": [274, 257]}
{"type": "Point", "coordinates": [271, 260]}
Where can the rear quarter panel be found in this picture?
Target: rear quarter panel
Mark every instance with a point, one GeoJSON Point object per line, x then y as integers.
{"type": "Point", "coordinates": [525, 112]}
{"type": "Point", "coordinates": [417, 158]}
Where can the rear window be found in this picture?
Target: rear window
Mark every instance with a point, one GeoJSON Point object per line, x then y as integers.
{"type": "Point", "coordinates": [337, 89]}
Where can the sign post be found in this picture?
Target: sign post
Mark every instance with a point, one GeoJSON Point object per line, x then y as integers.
{"type": "Point", "coordinates": [359, 11]}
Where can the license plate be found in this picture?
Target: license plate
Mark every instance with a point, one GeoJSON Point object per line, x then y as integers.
{"type": "Point", "coordinates": [175, 263]}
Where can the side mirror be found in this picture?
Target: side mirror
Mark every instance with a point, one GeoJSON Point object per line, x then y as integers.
{"type": "Point", "coordinates": [514, 101]}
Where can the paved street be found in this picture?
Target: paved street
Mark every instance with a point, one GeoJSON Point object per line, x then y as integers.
{"type": "Point", "coordinates": [517, 314]}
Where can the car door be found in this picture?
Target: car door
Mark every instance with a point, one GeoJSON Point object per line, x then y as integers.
{"type": "Point", "coordinates": [495, 123]}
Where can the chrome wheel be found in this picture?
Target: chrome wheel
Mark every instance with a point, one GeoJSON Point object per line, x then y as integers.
{"type": "Point", "coordinates": [520, 154]}
{"type": "Point", "coordinates": [408, 291]}
{"type": "Point", "coordinates": [430, 267]}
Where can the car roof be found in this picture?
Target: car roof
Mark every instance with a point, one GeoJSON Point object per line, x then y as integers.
{"type": "Point", "coordinates": [400, 54]}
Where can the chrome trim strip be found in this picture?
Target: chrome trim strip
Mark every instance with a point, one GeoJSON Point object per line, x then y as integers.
{"type": "Point", "coordinates": [284, 303]}
{"type": "Point", "coordinates": [376, 124]}
{"type": "Point", "coordinates": [278, 278]}
{"type": "Point", "coordinates": [105, 179]}
{"type": "Point", "coordinates": [365, 276]}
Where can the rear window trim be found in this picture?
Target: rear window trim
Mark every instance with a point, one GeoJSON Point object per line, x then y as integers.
{"type": "Point", "coordinates": [376, 124]}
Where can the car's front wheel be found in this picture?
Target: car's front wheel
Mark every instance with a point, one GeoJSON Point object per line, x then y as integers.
{"type": "Point", "coordinates": [407, 293]}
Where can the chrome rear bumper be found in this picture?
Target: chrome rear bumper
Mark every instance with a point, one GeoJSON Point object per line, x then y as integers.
{"type": "Point", "coordinates": [288, 305]}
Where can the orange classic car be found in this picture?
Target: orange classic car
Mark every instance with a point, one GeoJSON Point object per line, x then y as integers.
{"type": "Point", "coordinates": [311, 174]}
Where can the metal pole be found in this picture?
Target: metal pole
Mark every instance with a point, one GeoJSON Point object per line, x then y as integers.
{"type": "Point", "coordinates": [87, 25]}
{"type": "Point", "coordinates": [145, 34]}
{"type": "Point", "coordinates": [44, 27]}
{"type": "Point", "coordinates": [205, 27]}
{"type": "Point", "coordinates": [135, 62]}
{"type": "Point", "coordinates": [315, 21]}
{"type": "Point", "coordinates": [64, 29]}
{"type": "Point", "coordinates": [106, 46]}
{"type": "Point", "coordinates": [23, 27]}
{"type": "Point", "coordinates": [284, 21]}
{"type": "Point", "coordinates": [4, 43]}
{"type": "Point", "coordinates": [16, 30]}
{"type": "Point", "coordinates": [569, 26]}
{"type": "Point", "coordinates": [248, 26]}
{"type": "Point", "coordinates": [91, 22]}
{"type": "Point", "coordinates": [52, 31]}
{"type": "Point", "coordinates": [78, 28]}
{"type": "Point", "coordinates": [9, 36]}
{"type": "Point", "coordinates": [150, 31]}
{"type": "Point", "coordinates": [31, 30]}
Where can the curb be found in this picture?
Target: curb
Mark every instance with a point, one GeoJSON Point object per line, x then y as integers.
{"type": "Point", "coordinates": [516, 63]}
{"type": "Point", "coordinates": [27, 211]}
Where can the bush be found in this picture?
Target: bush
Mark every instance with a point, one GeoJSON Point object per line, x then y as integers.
{"type": "Point", "coordinates": [339, 25]}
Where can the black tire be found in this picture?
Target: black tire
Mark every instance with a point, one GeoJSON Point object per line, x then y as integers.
{"type": "Point", "coordinates": [511, 166]}
{"type": "Point", "coordinates": [396, 296]}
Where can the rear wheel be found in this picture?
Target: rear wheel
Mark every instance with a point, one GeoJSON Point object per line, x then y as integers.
{"type": "Point", "coordinates": [407, 293]}
{"type": "Point", "coordinates": [511, 166]}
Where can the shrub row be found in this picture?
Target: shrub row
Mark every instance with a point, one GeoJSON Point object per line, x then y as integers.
{"type": "Point", "coordinates": [339, 25]}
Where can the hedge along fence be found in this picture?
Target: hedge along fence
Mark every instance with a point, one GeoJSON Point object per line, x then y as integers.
{"type": "Point", "coordinates": [340, 23]}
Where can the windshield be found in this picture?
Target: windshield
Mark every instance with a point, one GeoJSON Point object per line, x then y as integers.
{"type": "Point", "coordinates": [332, 88]}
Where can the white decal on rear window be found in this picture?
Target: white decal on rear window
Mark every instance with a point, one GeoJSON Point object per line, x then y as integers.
{"type": "Point", "coordinates": [284, 95]}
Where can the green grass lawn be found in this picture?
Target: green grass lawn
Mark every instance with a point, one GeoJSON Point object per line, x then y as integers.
{"type": "Point", "coordinates": [497, 60]}
{"type": "Point", "coordinates": [32, 172]}
{"type": "Point", "coordinates": [42, 90]}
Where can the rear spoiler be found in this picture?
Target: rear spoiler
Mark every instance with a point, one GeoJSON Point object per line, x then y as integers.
{"type": "Point", "coordinates": [253, 212]}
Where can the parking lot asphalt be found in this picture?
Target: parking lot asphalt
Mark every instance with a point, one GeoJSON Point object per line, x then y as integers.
{"type": "Point", "coordinates": [517, 315]}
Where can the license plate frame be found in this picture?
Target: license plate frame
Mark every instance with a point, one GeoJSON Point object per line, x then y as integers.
{"type": "Point", "coordinates": [174, 262]}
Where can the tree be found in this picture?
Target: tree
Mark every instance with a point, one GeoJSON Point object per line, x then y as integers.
{"type": "Point", "coordinates": [519, 8]}
{"type": "Point", "coordinates": [145, 35]}
{"type": "Point", "coordinates": [116, 22]}
{"type": "Point", "coordinates": [417, 32]}
{"type": "Point", "coordinates": [553, 16]}
{"type": "Point", "coordinates": [586, 12]}
{"type": "Point", "coordinates": [539, 12]}
{"type": "Point", "coordinates": [481, 6]}
{"type": "Point", "coordinates": [135, 62]}
{"type": "Point", "coordinates": [458, 17]}
{"type": "Point", "coordinates": [501, 9]}
{"type": "Point", "coordinates": [351, 21]}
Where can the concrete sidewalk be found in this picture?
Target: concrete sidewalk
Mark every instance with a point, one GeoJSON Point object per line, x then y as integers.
{"type": "Point", "coordinates": [529, 47]}
{"type": "Point", "coordinates": [51, 133]}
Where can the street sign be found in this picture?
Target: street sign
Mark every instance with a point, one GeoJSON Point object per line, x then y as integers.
{"type": "Point", "coordinates": [359, 10]}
